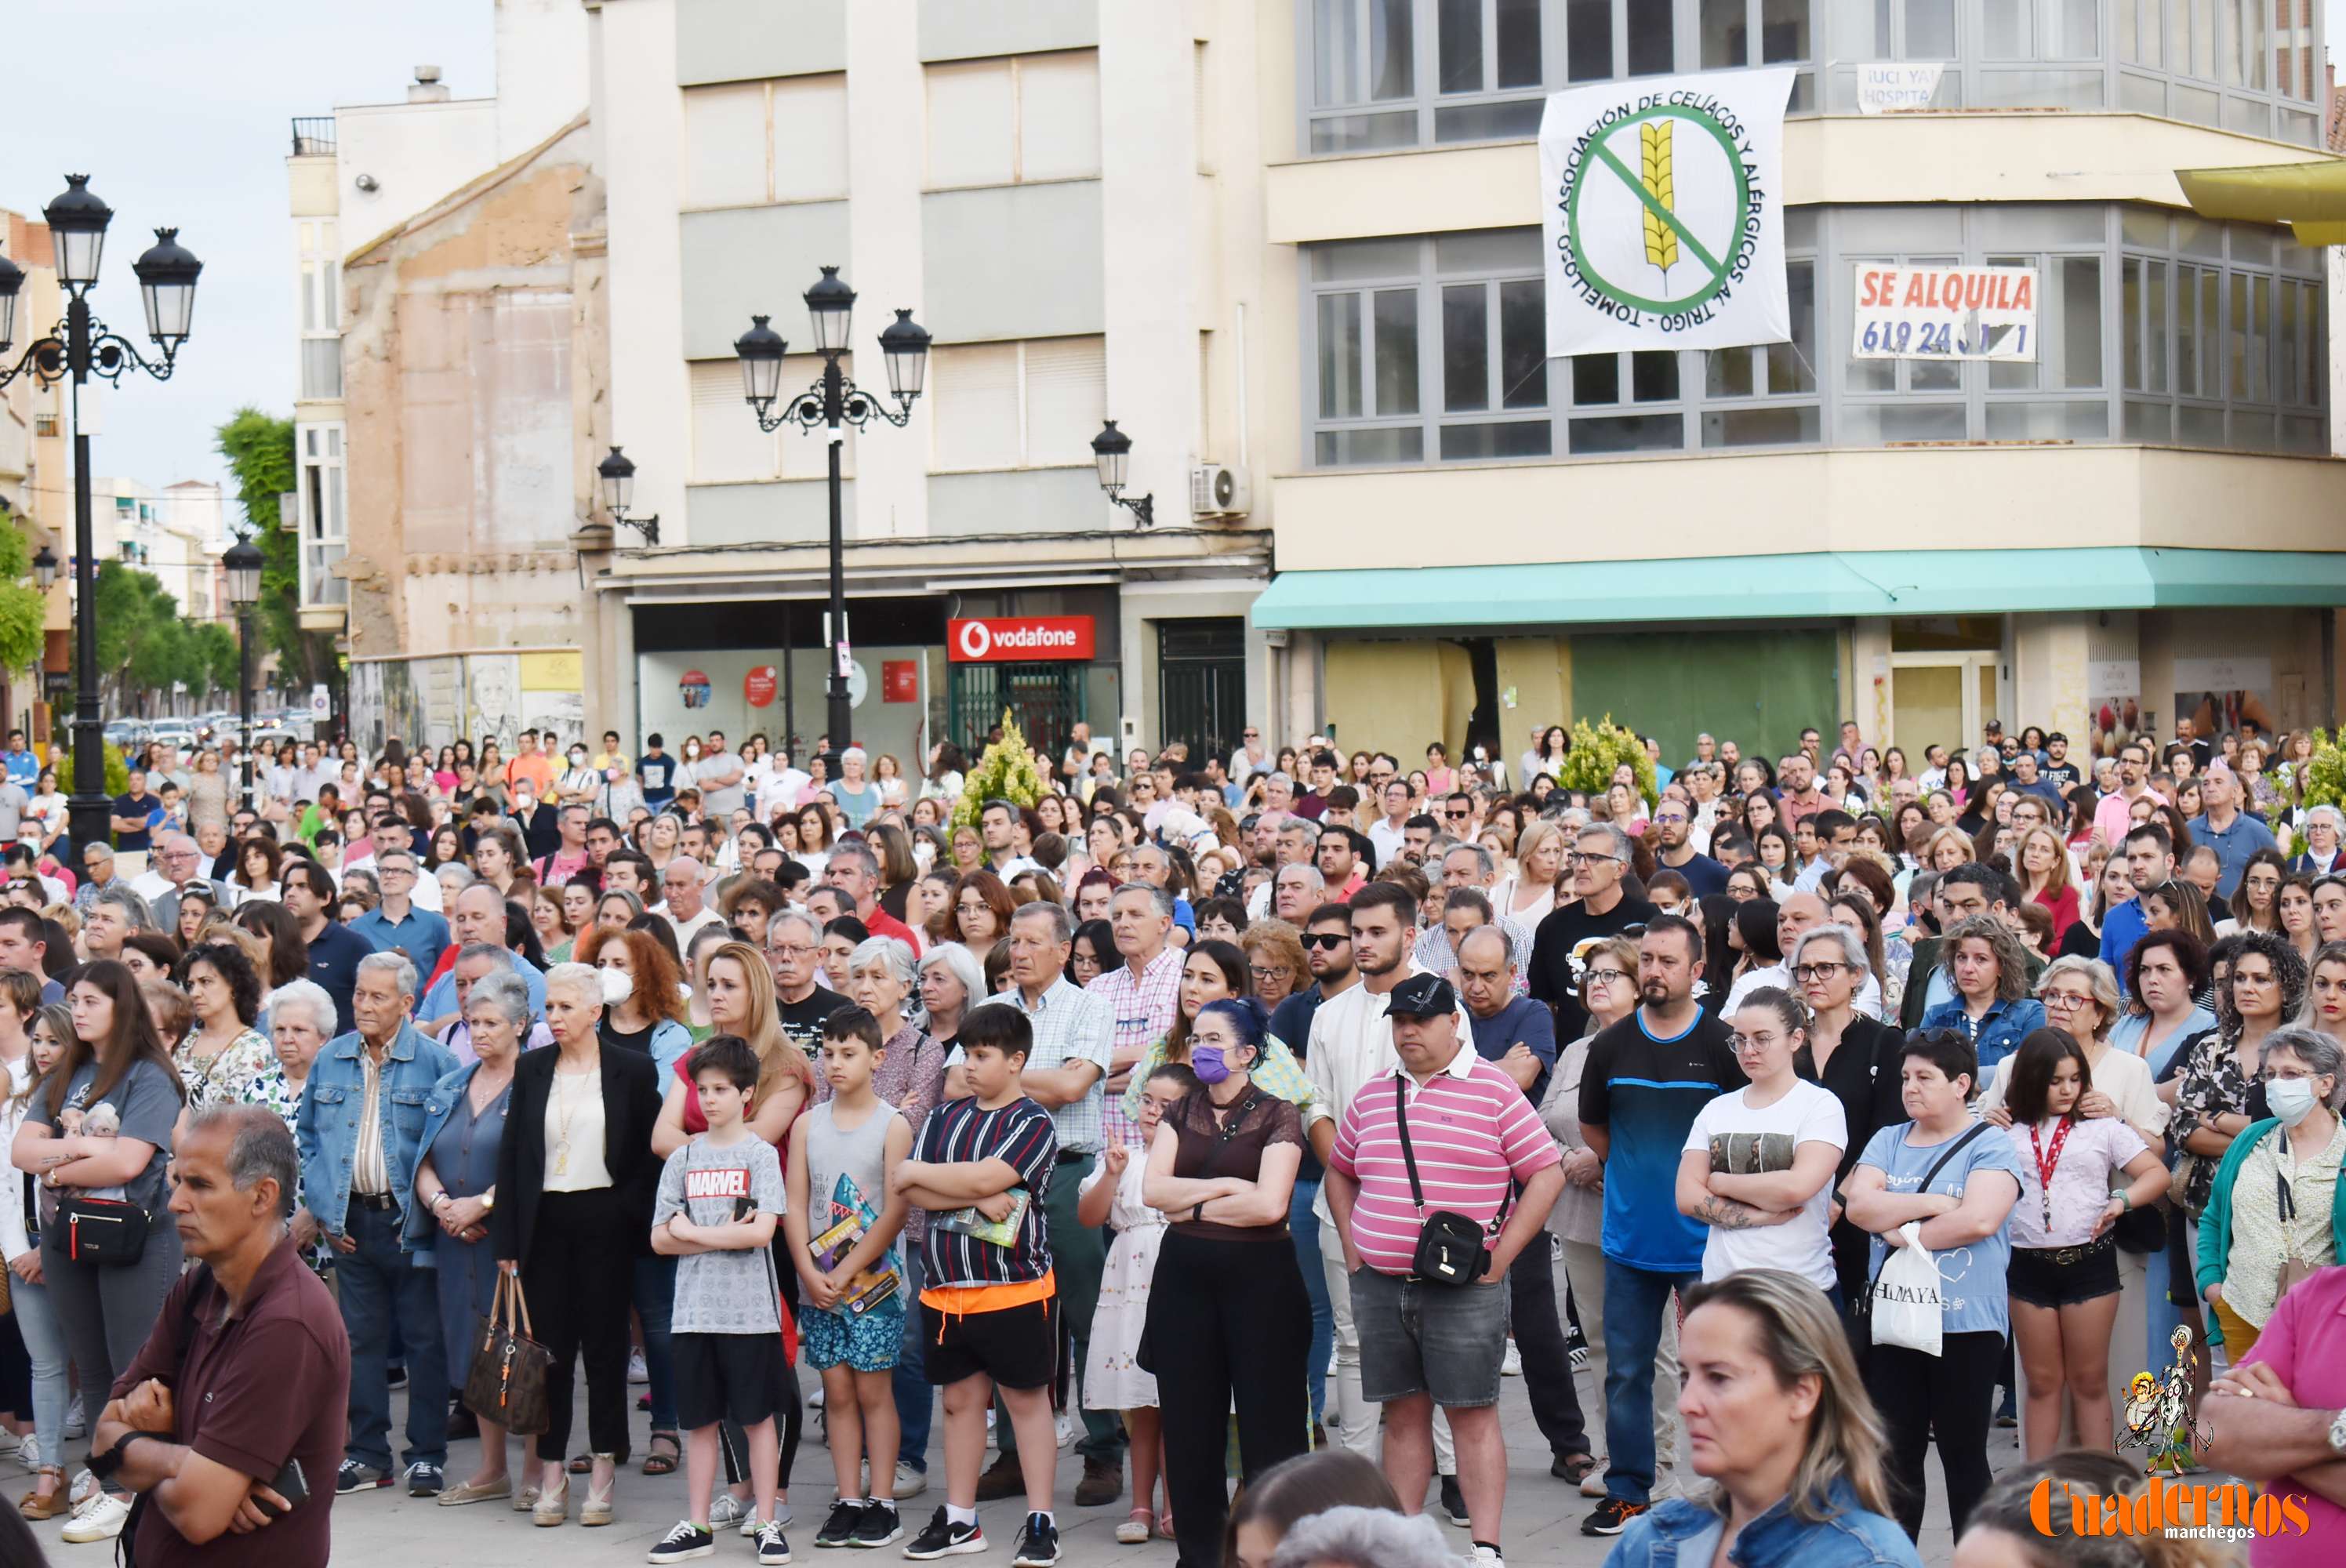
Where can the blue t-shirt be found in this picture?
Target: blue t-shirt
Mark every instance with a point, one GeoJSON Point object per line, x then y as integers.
{"type": "Point", "coordinates": [860, 805]}
{"type": "Point", "coordinates": [1971, 1278]}
{"type": "Point", "coordinates": [2123, 927]}
{"type": "Point", "coordinates": [658, 774]}
{"type": "Point", "coordinates": [2233, 846]}
{"type": "Point", "coordinates": [1524, 1020]}
{"type": "Point", "coordinates": [1645, 1093]}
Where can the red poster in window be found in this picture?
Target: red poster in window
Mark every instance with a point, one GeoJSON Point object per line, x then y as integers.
{"type": "Point", "coordinates": [900, 680]}
{"type": "Point", "coordinates": [758, 686]}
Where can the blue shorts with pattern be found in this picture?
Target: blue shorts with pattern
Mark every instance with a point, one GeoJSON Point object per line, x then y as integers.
{"type": "Point", "coordinates": [867, 1343]}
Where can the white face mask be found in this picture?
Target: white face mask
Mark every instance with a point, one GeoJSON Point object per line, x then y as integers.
{"type": "Point", "coordinates": [2291, 1099]}
{"type": "Point", "coordinates": [617, 987]}
{"type": "Point", "coordinates": [692, 752]}
{"type": "Point", "coordinates": [924, 854]}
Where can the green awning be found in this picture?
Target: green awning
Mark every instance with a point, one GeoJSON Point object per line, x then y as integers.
{"type": "Point", "coordinates": [1823, 584]}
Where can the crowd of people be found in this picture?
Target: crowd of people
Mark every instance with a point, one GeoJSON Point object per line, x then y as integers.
{"type": "Point", "coordinates": [1294, 1095]}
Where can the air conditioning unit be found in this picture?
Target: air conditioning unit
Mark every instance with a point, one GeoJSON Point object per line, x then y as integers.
{"type": "Point", "coordinates": [1219, 490]}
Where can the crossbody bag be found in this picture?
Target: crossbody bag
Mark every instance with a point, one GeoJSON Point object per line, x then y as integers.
{"type": "Point", "coordinates": [1864, 1307]}
{"type": "Point", "coordinates": [1449, 1250]}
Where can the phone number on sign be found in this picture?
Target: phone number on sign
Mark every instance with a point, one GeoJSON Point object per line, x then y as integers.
{"type": "Point", "coordinates": [1939, 339]}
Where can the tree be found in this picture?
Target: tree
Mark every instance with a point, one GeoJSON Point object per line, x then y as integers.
{"type": "Point", "coordinates": [259, 452]}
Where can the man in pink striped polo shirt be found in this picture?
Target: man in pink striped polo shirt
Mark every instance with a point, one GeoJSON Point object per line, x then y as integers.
{"type": "Point", "coordinates": [1473, 1139]}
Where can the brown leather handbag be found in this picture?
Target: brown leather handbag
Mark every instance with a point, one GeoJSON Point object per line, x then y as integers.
{"type": "Point", "coordinates": [507, 1380]}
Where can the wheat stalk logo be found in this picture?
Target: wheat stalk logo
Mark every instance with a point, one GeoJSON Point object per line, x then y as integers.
{"type": "Point", "coordinates": [1654, 173]}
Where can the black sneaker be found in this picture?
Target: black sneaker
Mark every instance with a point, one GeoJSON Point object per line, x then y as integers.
{"type": "Point", "coordinates": [879, 1526]}
{"type": "Point", "coordinates": [1453, 1502]}
{"type": "Point", "coordinates": [355, 1477]}
{"type": "Point", "coordinates": [773, 1546]}
{"type": "Point", "coordinates": [839, 1529]}
{"type": "Point", "coordinates": [1038, 1543]}
{"type": "Point", "coordinates": [944, 1538]}
{"type": "Point", "coordinates": [684, 1542]}
{"type": "Point", "coordinates": [1612, 1517]}
{"type": "Point", "coordinates": [396, 1377]}
{"type": "Point", "coordinates": [425, 1479]}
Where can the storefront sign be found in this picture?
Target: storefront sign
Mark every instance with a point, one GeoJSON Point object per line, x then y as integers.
{"type": "Point", "coordinates": [900, 680]}
{"type": "Point", "coordinates": [1663, 213]}
{"type": "Point", "coordinates": [758, 685]}
{"type": "Point", "coordinates": [692, 688]}
{"type": "Point", "coordinates": [1018, 638]}
{"type": "Point", "coordinates": [1944, 313]}
{"type": "Point", "coordinates": [1888, 87]}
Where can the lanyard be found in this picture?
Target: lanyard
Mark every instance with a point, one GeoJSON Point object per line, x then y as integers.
{"type": "Point", "coordinates": [2046, 1167]}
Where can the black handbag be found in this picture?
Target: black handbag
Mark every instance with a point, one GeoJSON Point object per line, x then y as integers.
{"type": "Point", "coordinates": [1449, 1249]}
{"type": "Point", "coordinates": [108, 1231]}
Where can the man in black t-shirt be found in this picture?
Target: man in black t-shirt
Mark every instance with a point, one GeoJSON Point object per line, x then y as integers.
{"type": "Point", "coordinates": [794, 953]}
{"type": "Point", "coordinates": [134, 813]}
{"type": "Point", "coordinates": [1599, 860]}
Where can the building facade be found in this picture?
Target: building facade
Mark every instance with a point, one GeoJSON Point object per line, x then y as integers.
{"type": "Point", "coordinates": [36, 469]}
{"type": "Point", "coordinates": [2139, 524]}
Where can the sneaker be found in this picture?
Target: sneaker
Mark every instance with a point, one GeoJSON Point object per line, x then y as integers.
{"type": "Point", "coordinates": [636, 1371]}
{"type": "Point", "coordinates": [944, 1538]}
{"type": "Point", "coordinates": [1003, 1479]}
{"type": "Point", "coordinates": [880, 1525]}
{"type": "Point", "coordinates": [1038, 1543]}
{"type": "Point", "coordinates": [101, 1519]}
{"type": "Point", "coordinates": [1069, 1429]}
{"type": "Point", "coordinates": [425, 1479]}
{"type": "Point", "coordinates": [839, 1529]}
{"type": "Point", "coordinates": [911, 1479]}
{"type": "Point", "coordinates": [1580, 1358]}
{"type": "Point", "coordinates": [750, 1519]}
{"type": "Point", "coordinates": [75, 1426]}
{"type": "Point", "coordinates": [1612, 1517]}
{"type": "Point", "coordinates": [1487, 1557]}
{"type": "Point", "coordinates": [684, 1542]}
{"type": "Point", "coordinates": [1593, 1484]}
{"type": "Point", "coordinates": [1453, 1501]}
{"type": "Point", "coordinates": [28, 1452]}
{"type": "Point", "coordinates": [396, 1377]}
{"type": "Point", "coordinates": [353, 1476]}
{"type": "Point", "coordinates": [1511, 1365]}
{"type": "Point", "coordinates": [725, 1509]}
{"type": "Point", "coordinates": [773, 1546]}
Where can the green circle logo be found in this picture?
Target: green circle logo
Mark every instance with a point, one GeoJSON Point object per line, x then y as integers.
{"type": "Point", "coordinates": [1670, 210]}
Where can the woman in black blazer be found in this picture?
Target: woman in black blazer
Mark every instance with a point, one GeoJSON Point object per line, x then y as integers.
{"type": "Point", "coordinates": [1855, 1058]}
{"type": "Point", "coordinates": [576, 1179]}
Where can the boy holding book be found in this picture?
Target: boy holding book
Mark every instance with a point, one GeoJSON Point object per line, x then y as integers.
{"type": "Point", "coordinates": [721, 1197]}
{"type": "Point", "coordinates": [842, 1225]}
{"type": "Point", "coordinates": [989, 1305]}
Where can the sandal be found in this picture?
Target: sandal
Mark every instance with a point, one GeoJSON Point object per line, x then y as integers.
{"type": "Point", "coordinates": [660, 1463]}
{"type": "Point", "coordinates": [1165, 1525]}
{"type": "Point", "coordinates": [32, 1505]}
{"type": "Point", "coordinates": [1574, 1468]}
{"type": "Point", "coordinates": [1135, 1528]}
{"type": "Point", "coordinates": [581, 1463]}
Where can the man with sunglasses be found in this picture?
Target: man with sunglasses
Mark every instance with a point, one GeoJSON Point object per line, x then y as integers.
{"type": "Point", "coordinates": [1459, 818]}
{"type": "Point", "coordinates": [1328, 954]}
{"type": "Point", "coordinates": [1600, 907]}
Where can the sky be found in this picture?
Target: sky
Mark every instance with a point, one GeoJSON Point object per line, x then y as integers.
{"type": "Point", "coordinates": [184, 116]}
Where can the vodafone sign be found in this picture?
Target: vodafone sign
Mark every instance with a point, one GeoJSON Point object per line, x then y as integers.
{"type": "Point", "coordinates": [1018, 638]}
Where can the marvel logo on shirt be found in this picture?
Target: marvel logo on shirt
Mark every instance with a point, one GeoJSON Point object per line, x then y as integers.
{"type": "Point", "coordinates": [734, 1291]}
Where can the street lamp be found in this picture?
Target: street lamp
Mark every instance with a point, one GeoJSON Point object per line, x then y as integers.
{"type": "Point", "coordinates": [44, 568]}
{"type": "Point", "coordinates": [618, 476]}
{"type": "Point", "coordinates": [77, 348]}
{"type": "Point", "coordinates": [832, 402]}
{"type": "Point", "coordinates": [1112, 449]}
{"type": "Point", "coordinates": [243, 563]}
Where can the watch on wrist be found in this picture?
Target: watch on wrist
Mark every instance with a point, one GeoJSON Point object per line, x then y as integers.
{"type": "Point", "coordinates": [2338, 1434]}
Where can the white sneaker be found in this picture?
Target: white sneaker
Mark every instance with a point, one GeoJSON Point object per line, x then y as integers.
{"type": "Point", "coordinates": [1511, 1365]}
{"type": "Point", "coordinates": [1487, 1557]}
{"type": "Point", "coordinates": [28, 1452]}
{"type": "Point", "coordinates": [101, 1519]}
{"type": "Point", "coordinates": [750, 1522]}
{"type": "Point", "coordinates": [636, 1371]}
{"type": "Point", "coordinates": [910, 1481]}
{"type": "Point", "coordinates": [726, 1509]}
{"type": "Point", "coordinates": [83, 1488]}
{"type": "Point", "coordinates": [74, 1425]}
{"type": "Point", "coordinates": [1070, 1428]}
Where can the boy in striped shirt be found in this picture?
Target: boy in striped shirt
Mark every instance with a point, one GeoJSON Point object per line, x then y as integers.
{"type": "Point", "coordinates": [1473, 1139]}
{"type": "Point", "coordinates": [989, 1309]}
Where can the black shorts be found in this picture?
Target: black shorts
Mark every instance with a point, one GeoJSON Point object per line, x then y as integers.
{"type": "Point", "coordinates": [718, 1376]}
{"type": "Point", "coordinates": [2059, 1277]}
{"type": "Point", "coordinates": [1017, 1347]}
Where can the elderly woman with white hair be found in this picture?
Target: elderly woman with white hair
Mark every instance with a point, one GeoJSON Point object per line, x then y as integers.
{"type": "Point", "coordinates": [576, 1176]}
{"type": "Point", "coordinates": [2325, 827]}
{"type": "Point", "coordinates": [301, 1020]}
{"type": "Point", "coordinates": [953, 981]}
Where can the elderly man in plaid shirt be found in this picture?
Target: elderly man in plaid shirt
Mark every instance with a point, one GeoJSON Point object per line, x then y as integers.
{"type": "Point", "coordinates": [1140, 994]}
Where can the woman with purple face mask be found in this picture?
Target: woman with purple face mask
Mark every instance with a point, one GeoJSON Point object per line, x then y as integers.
{"type": "Point", "coordinates": [1229, 1320]}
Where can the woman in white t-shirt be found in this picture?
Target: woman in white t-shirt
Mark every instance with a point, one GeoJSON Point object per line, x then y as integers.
{"type": "Point", "coordinates": [1759, 1163]}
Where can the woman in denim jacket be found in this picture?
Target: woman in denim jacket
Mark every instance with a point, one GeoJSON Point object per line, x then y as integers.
{"type": "Point", "coordinates": [1988, 970]}
{"type": "Point", "coordinates": [1779, 1421]}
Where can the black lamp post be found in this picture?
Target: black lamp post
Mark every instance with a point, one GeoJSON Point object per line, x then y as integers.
{"type": "Point", "coordinates": [78, 346]}
{"type": "Point", "coordinates": [618, 473]}
{"type": "Point", "coordinates": [832, 402]}
{"type": "Point", "coordinates": [1112, 449]}
{"type": "Point", "coordinates": [243, 563]}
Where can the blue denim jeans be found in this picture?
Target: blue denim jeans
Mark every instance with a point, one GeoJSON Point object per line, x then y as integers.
{"type": "Point", "coordinates": [1635, 1300]}
{"type": "Point", "coordinates": [917, 1401]}
{"type": "Point", "coordinates": [655, 1302]}
{"type": "Point", "coordinates": [1304, 1227]}
{"type": "Point", "coordinates": [380, 1284]}
{"type": "Point", "coordinates": [45, 1348]}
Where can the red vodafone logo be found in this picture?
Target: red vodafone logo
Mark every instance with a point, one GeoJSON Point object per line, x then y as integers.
{"type": "Point", "coordinates": [1018, 638]}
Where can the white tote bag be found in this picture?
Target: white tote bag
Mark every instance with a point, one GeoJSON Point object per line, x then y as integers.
{"type": "Point", "coordinates": [1907, 1306]}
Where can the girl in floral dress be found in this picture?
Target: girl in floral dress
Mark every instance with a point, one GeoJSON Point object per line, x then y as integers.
{"type": "Point", "coordinates": [1113, 1378]}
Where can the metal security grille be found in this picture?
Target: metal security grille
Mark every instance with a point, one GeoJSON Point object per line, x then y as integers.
{"type": "Point", "coordinates": [1045, 700]}
{"type": "Point", "coordinates": [1201, 683]}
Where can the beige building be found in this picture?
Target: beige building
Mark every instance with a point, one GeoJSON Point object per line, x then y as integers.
{"type": "Point", "coordinates": [36, 467]}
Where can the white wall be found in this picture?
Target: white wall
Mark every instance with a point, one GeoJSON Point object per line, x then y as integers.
{"type": "Point", "coordinates": [415, 153]}
{"type": "Point", "coordinates": [541, 71]}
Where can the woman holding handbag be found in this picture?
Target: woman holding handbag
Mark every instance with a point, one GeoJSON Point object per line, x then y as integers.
{"type": "Point", "coordinates": [107, 1262]}
{"type": "Point", "coordinates": [574, 1183]}
{"type": "Point", "coordinates": [455, 1189]}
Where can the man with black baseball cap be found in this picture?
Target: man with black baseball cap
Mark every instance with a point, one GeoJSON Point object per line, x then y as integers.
{"type": "Point", "coordinates": [1426, 1341]}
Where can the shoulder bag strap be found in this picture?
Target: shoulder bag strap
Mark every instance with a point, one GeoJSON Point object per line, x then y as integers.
{"type": "Point", "coordinates": [1408, 1157]}
{"type": "Point", "coordinates": [1951, 1151]}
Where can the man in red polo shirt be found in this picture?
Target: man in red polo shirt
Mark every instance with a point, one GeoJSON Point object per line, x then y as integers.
{"type": "Point", "coordinates": [246, 1375]}
{"type": "Point", "coordinates": [854, 871]}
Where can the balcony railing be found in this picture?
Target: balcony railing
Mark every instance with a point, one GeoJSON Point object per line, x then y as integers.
{"type": "Point", "coordinates": [313, 135]}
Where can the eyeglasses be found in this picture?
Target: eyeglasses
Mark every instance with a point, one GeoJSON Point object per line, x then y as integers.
{"type": "Point", "coordinates": [795, 951]}
{"type": "Point", "coordinates": [1823, 970]}
{"type": "Point", "coordinates": [1457, 813]}
{"type": "Point", "coordinates": [1605, 976]}
{"type": "Point", "coordinates": [2064, 1001]}
{"type": "Point", "coordinates": [1580, 857]}
{"type": "Point", "coordinates": [1262, 973]}
{"type": "Point", "coordinates": [1327, 941]}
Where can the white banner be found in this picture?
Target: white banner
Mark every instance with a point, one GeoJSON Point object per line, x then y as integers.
{"type": "Point", "coordinates": [1943, 312]}
{"type": "Point", "coordinates": [1892, 85]}
{"type": "Point", "coordinates": [1663, 213]}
